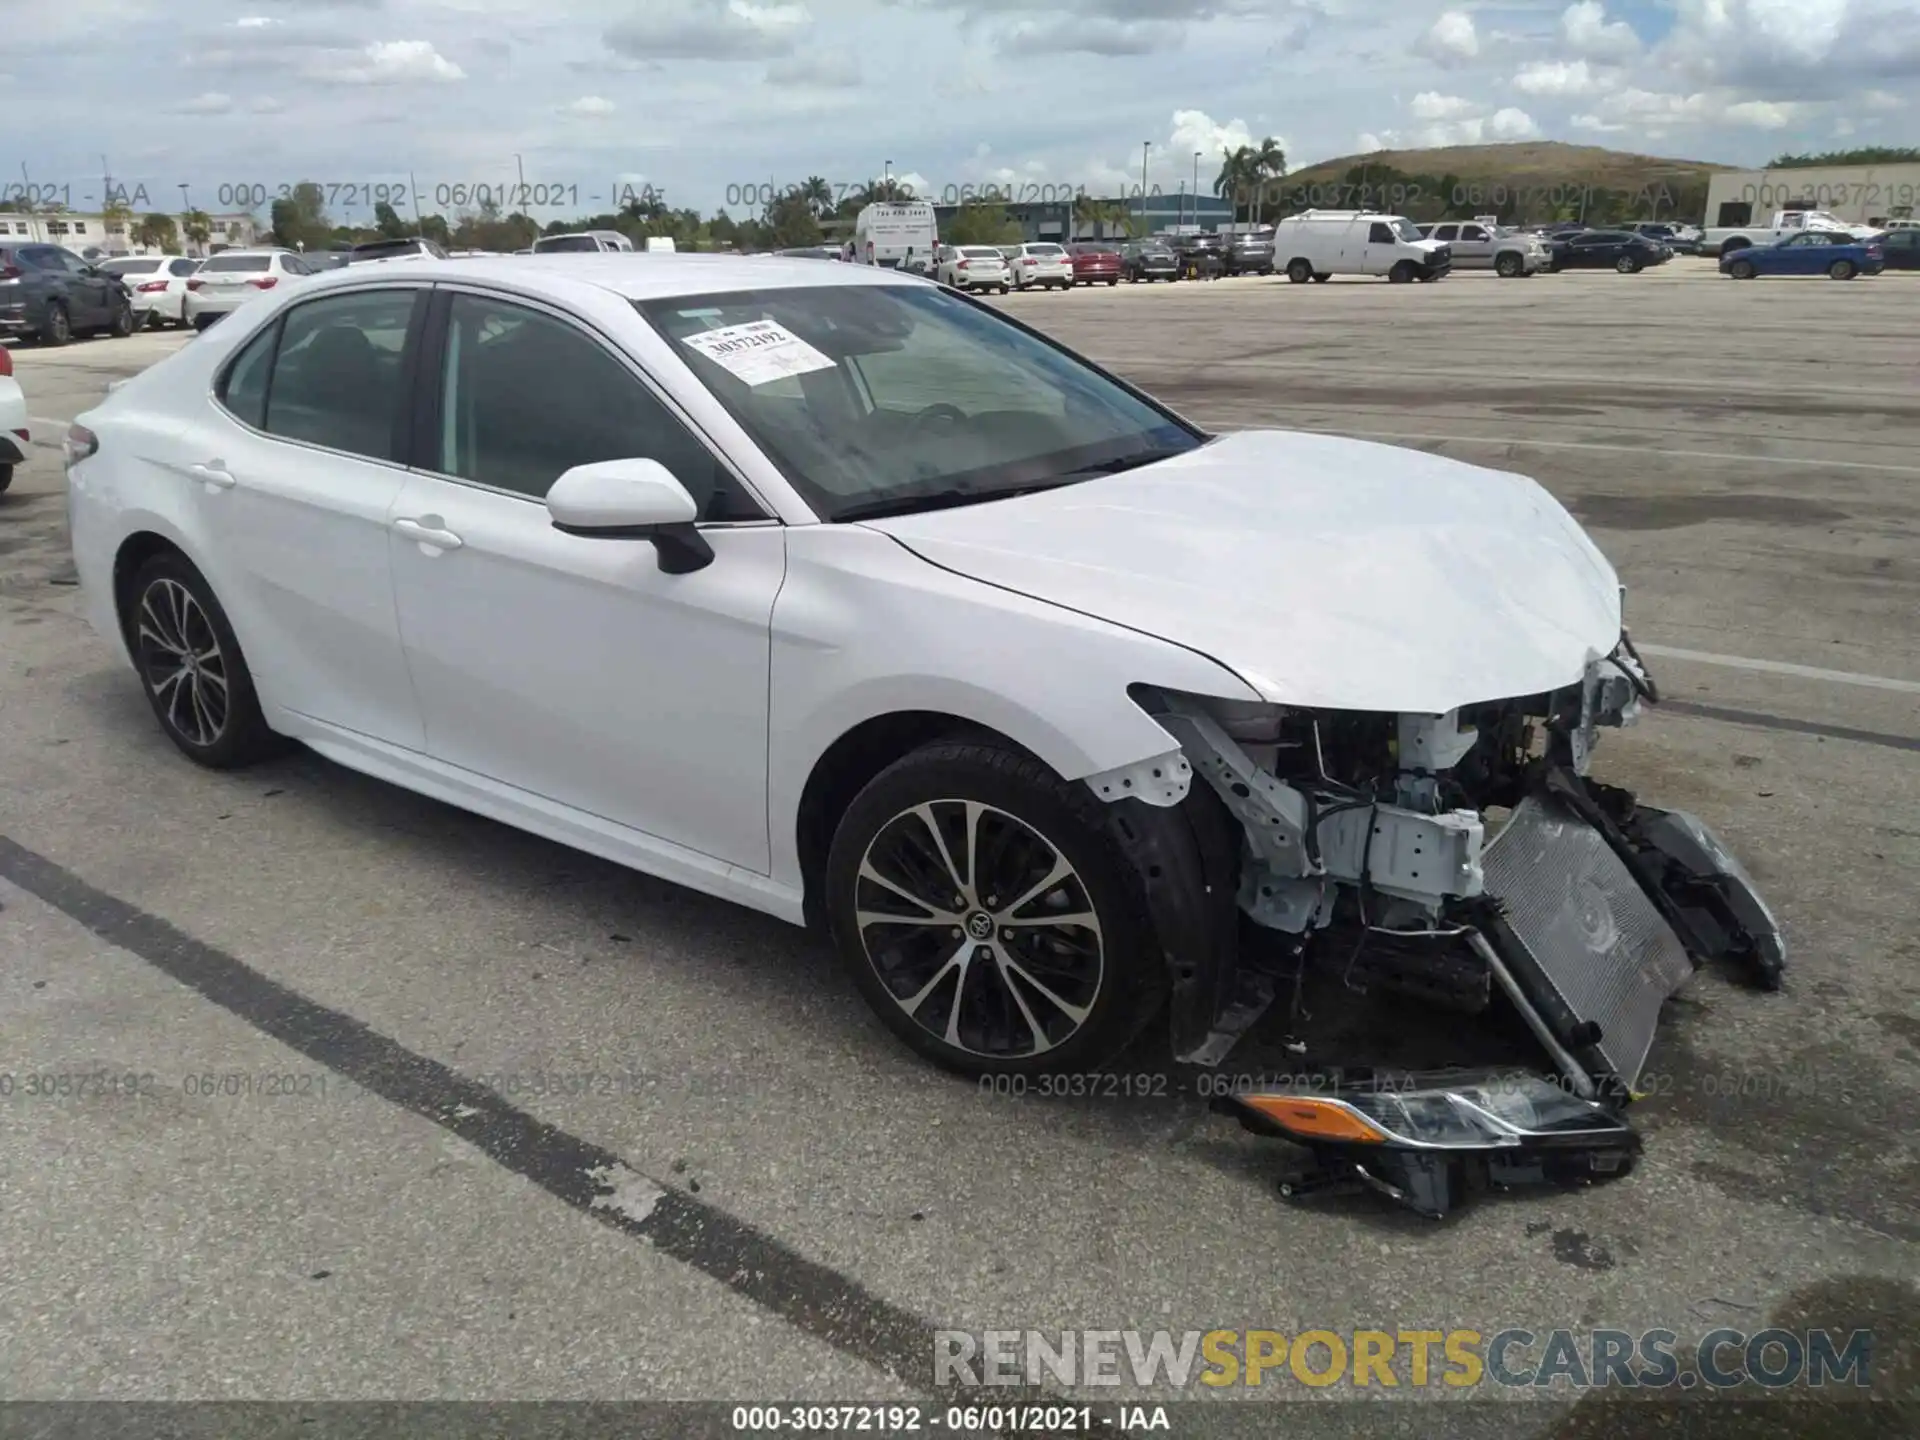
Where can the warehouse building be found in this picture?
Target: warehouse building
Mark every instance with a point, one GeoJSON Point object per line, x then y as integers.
{"type": "Point", "coordinates": [1857, 194]}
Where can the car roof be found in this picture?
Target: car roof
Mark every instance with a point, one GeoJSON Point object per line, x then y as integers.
{"type": "Point", "coordinates": [635, 274]}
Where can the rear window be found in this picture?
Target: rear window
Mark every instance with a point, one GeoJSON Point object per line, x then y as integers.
{"type": "Point", "coordinates": [131, 267]}
{"type": "Point", "coordinates": [980, 252]}
{"type": "Point", "coordinates": [237, 262]}
{"type": "Point", "coordinates": [1045, 250]}
{"type": "Point", "coordinates": [566, 242]}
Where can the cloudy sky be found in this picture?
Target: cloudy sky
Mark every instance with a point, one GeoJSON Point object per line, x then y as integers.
{"type": "Point", "coordinates": [705, 98]}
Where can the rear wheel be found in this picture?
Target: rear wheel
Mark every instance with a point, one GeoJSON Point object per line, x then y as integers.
{"type": "Point", "coordinates": [122, 324]}
{"type": "Point", "coordinates": [1627, 265]}
{"type": "Point", "coordinates": [6, 478]}
{"type": "Point", "coordinates": [1299, 271]}
{"type": "Point", "coordinates": [58, 329]}
{"type": "Point", "coordinates": [1842, 270]}
{"type": "Point", "coordinates": [987, 916]}
{"type": "Point", "coordinates": [191, 667]}
{"type": "Point", "coordinates": [1113, 282]}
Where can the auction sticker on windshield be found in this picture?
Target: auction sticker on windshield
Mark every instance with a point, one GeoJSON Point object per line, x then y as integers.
{"type": "Point", "coordinates": [758, 352]}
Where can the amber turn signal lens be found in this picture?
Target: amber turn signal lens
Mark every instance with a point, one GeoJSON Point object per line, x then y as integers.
{"type": "Point", "coordinates": [1315, 1119]}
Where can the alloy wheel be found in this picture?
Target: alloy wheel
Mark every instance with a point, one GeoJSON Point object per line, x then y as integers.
{"type": "Point", "coordinates": [182, 663]}
{"type": "Point", "coordinates": [979, 928]}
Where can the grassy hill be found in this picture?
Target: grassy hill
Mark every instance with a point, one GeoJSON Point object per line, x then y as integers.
{"type": "Point", "coordinates": [1527, 180]}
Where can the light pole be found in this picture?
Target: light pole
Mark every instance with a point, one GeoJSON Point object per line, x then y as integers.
{"type": "Point", "coordinates": [886, 190]}
{"type": "Point", "coordinates": [1196, 187]}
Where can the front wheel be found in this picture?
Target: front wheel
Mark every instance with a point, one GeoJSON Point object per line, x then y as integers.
{"type": "Point", "coordinates": [1508, 266]}
{"type": "Point", "coordinates": [1842, 270]}
{"type": "Point", "coordinates": [58, 329]}
{"type": "Point", "coordinates": [988, 917]}
{"type": "Point", "coordinates": [6, 478]}
{"type": "Point", "coordinates": [1742, 270]}
{"type": "Point", "coordinates": [1627, 265]}
{"type": "Point", "coordinates": [191, 667]}
{"type": "Point", "coordinates": [1402, 273]}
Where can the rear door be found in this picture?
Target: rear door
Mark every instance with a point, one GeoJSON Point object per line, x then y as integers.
{"type": "Point", "coordinates": [298, 461]}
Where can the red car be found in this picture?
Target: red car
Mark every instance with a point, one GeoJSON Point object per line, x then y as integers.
{"type": "Point", "coordinates": [1095, 264]}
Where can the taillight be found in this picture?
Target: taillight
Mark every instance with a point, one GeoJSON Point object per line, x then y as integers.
{"type": "Point", "coordinates": [961, 266]}
{"type": "Point", "coordinates": [1029, 260]}
{"type": "Point", "coordinates": [81, 443]}
{"type": "Point", "coordinates": [265, 283]}
{"type": "Point", "coordinates": [10, 272]}
{"type": "Point", "coordinates": [196, 284]}
{"type": "Point", "coordinates": [6, 361]}
{"type": "Point", "coordinates": [151, 286]}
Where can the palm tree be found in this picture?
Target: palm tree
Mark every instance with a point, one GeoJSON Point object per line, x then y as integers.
{"type": "Point", "coordinates": [197, 226]}
{"type": "Point", "coordinates": [1269, 162]}
{"type": "Point", "coordinates": [1237, 177]}
{"type": "Point", "coordinates": [818, 194]}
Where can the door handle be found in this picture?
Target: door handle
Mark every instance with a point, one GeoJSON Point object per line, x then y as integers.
{"type": "Point", "coordinates": [427, 531]}
{"type": "Point", "coordinates": [215, 473]}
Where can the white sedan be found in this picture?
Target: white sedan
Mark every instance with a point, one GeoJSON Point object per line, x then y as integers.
{"type": "Point", "coordinates": [158, 284]}
{"type": "Point", "coordinates": [838, 594]}
{"type": "Point", "coordinates": [14, 438]}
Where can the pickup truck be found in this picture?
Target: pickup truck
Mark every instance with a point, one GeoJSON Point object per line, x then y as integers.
{"type": "Point", "coordinates": [1724, 239]}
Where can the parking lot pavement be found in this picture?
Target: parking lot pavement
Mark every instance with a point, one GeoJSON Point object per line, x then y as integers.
{"type": "Point", "coordinates": [1758, 494]}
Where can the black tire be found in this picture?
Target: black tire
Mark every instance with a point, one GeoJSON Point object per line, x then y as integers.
{"type": "Point", "coordinates": [1003, 289]}
{"type": "Point", "coordinates": [158, 628]}
{"type": "Point", "coordinates": [1401, 274]}
{"type": "Point", "coordinates": [1742, 270]}
{"type": "Point", "coordinates": [1113, 282]}
{"type": "Point", "coordinates": [153, 321]}
{"type": "Point", "coordinates": [1299, 271]}
{"type": "Point", "coordinates": [1627, 265]}
{"type": "Point", "coordinates": [6, 478]}
{"type": "Point", "coordinates": [1842, 270]}
{"type": "Point", "coordinates": [58, 330]}
{"type": "Point", "coordinates": [1321, 277]}
{"type": "Point", "coordinates": [122, 324]}
{"type": "Point", "coordinates": [1031, 818]}
{"type": "Point", "coordinates": [203, 321]}
{"type": "Point", "coordinates": [1509, 265]}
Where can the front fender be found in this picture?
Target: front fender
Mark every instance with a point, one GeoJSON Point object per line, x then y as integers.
{"type": "Point", "coordinates": [864, 628]}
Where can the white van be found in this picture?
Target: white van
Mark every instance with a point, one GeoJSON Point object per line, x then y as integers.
{"type": "Point", "coordinates": [898, 236]}
{"type": "Point", "coordinates": [1319, 244]}
{"type": "Point", "coordinates": [660, 245]}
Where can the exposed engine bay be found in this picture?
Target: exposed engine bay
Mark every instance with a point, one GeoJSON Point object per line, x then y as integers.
{"type": "Point", "coordinates": [1467, 861]}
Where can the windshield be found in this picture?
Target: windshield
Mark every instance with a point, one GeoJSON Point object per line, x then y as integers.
{"type": "Point", "coordinates": [1406, 229]}
{"type": "Point", "coordinates": [894, 397]}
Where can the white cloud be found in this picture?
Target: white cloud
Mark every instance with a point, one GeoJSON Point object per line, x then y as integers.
{"type": "Point", "coordinates": [1454, 120]}
{"type": "Point", "coordinates": [1090, 35]}
{"type": "Point", "coordinates": [1767, 114]}
{"type": "Point", "coordinates": [1368, 143]}
{"type": "Point", "coordinates": [391, 62]}
{"type": "Point", "coordinates": [1451, 40]}
{"type": "Point", "coordinates": [210, 102]}
{"type": "Point", "coordinates": [1195, 130]}
{"type": "Point", "coordinates": [1431, 105]}
{"type": "Point", "coordinates": [1586, 31]}
{"type": "Point", "coordinates": [1558, 78]}
{"type": "Point", "coordinates": [818, 69]}
{"type": "Point", "coordinates": [708, 30]}
{"type": "Point", "coordinates": [592, 106]}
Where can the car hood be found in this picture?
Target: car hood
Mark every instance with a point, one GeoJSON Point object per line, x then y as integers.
{"type": "Point", "coordinates": [1325, 572]}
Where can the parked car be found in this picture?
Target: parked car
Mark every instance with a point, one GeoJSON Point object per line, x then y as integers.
{"type": "Point", "coordinates": [321, 261]}
{"type": "Point", "coordinates": [50, 294]}
{"type": "Point", "coordinates": [1042, 265]}
{"type": "Point", "coordinates": [1095, 264]}
{"type": "Point", "coordinates": [14, 436]}
{"type": "Point", "coordinates": [972, 267]}
{"type": "Point", "coordinates": [934, 681]}
{"type": "Point", "coordinates": [1476, 245]}
{"type": "Point", "coordinates": [1725, 239]}
{"type": "Point", "coordinates": [1900, 248]}
{"type": "Point", "coordinates": [592, 241]}
{"type": "Point", "coordinates": [1319, 244]}
{"type": "Point", "coordinates": [1680, 239]}
{"type": "Point", "coordinates": [1811, 252]}
{"type": "Point", "coordinates": [1620, 250]}
{"type": "Point", "coordinates": [812, 252]}
{"type": "Point", "coordinates": [1148, 260]}
{"type": "Point", "coordinates": [1200, 254]}
{"type": "Point", "coordinates": [1248, 252]}
{"type": "Point", "coordinates": [408, 247]}
{"type": "Point", "coordinates": [157, 286]}
{"type": "Point", "coordinates": [226, 281]}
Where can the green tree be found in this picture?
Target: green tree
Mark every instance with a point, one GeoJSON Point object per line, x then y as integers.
{"type": "Point", "coordinates": [980, 222]}
{"type": "Point", "coordinates": [154, 231]}
{"type": "Point", "coordinates": [197, 226]}
{"type": "Point", "coordinates": [388, 224]}
{"type": "Point", "coordinates": [1237, 180]}
{"type": "Point", "coordinates": [1866, 155]}
{"type": "Point", "coordinates": [436, 229]}
{"type": "Point", "coordinates": [818, 194]}
{"type": "Point", "coordinates": [1269, 167]}
{"type": "Point", "coordinates": [300, 220]}
{"type": "Point", "coordinates": [790, 221]}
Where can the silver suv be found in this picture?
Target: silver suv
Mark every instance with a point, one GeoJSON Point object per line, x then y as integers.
{"type": "Point", "coordinates": [1478, 245]}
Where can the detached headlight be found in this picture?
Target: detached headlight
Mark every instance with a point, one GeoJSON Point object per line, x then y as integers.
{"type": "Point", "coordinates": [1506, 1112]}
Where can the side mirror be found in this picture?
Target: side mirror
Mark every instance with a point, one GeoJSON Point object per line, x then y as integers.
{"type": "Point", "coordinates": [635, 499]}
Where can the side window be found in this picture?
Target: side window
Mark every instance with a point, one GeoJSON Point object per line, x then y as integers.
{"type": "Point", "coordinates": [1444, 232]}
{"type": "Point", "coordinates": [526, 397]}
{"type": "Point", "coordinates": [243, 390]}
{"type": "Point", "coordinates": [1379, 234]}
{"type": "Point", "coordinates": [182, 267]}
{"type": "Point", "coordinates": [336, 376]}
{"type": "Point", "coordinates": [1472, 232]}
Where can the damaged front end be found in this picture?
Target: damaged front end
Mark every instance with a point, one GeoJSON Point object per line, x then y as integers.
{"type": "Point", "coordinates": [1467, 860]}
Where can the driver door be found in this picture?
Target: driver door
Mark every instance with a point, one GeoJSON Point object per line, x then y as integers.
{"type": "Point", "coordinates": [568, 667]}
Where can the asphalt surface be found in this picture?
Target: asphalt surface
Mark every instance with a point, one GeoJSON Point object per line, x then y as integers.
{"type": "Point", "coordinates": [433, 1044]}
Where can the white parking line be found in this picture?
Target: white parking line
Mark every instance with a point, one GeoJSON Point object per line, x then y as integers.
{"type": "Point", "coordinates": [1805, 461]}
{"type": "Point", "coordinates": [1782, 667]}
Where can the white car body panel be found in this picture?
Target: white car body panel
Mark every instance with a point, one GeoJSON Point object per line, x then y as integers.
{"type": "Point", "coordinates": [1326, 572]}
{"type": "Point", "coordinates": [14, 436]}
{"type": "Point", "coordinates": [1039, 264]}
{"type": "Point", "coordinates": [568, 686]}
